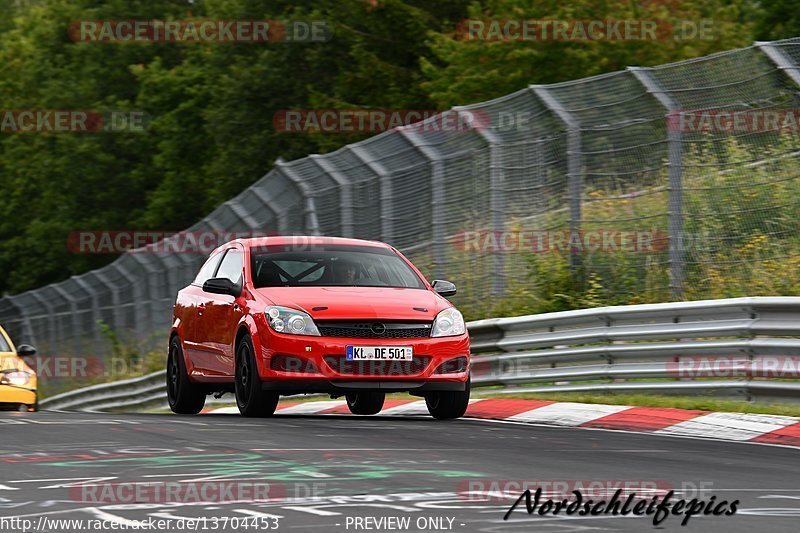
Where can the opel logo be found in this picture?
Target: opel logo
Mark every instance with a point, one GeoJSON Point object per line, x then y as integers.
{"type": "Point", "coordinates": [378, 328]}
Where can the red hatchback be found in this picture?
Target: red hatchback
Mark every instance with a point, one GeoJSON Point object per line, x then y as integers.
{"type": "Point", "coordinates": [294, 315]}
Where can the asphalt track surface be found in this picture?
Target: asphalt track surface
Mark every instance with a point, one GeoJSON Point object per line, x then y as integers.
{"type": "Point", "coordinates": [327, 471]}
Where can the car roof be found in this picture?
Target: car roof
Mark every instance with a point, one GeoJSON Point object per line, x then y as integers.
{"type": "Point", "coordinates": [283, 240]}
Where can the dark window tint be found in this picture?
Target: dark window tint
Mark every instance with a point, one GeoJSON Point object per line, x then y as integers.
{"type": "Point", "coordinates": [332, 266]}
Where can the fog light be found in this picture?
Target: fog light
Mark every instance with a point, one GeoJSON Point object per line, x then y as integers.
{"type": "Point", "coordinates": [288, 363]}
{"type": "Point", "coordinates": [453, 366]}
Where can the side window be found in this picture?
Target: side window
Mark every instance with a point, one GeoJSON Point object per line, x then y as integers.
{"type": "Point", "coordinates": [4, 347]}
{"type": "Point", "coordinates": [208, 270]}
{"type": "Point", "coordinates": [231, 267]}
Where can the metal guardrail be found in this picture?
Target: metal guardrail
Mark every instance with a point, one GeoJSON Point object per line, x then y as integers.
{"type": "Point", "coordinates": [589, 350]}
{"type": "Point", "coordinates": [657, 345]}
{"type": "Point", "coordinates": [138, 392]}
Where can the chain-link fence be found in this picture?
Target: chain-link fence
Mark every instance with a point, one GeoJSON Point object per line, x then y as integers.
{"type": "Point", "coordinates": [646, 185]}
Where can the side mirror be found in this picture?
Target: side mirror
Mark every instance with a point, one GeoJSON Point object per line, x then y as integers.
{"type": "Point", "coordinates": [26, 350]}
{"type": "Point", "coordinates": [222, 286]}
{"type": "Point", "coordinates": [445, 288]}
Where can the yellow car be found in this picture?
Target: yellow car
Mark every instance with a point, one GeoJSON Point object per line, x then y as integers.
{"type": "Point", "coordinates": [17, 379]}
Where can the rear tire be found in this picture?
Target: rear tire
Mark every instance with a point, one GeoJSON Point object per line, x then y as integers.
{"type": "Point", "coordinates": [185, 397]}
{"type": "Point", "coordinates": [251, 399]}
{"type": "Point", "coordinates": [447, 405]}
{"type": "Point", "coordinates": [365, 403]}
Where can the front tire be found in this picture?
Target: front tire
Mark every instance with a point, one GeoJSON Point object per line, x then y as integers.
{"type": "Point", "coordinates": [365, 403]}
{"type": "Point", "coordinates": [251, 399]}
{"type": "Point", "coordinates": [185, 397]}
{"type": "Point", "coordinates": [447, 405]}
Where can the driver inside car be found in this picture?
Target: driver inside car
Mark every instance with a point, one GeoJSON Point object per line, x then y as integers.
{"type": "Point", "coordinates": [345, 272]}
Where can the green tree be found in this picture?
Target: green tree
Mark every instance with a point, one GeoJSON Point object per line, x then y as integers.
{"type": "Point", "coordinates": [463, 70]}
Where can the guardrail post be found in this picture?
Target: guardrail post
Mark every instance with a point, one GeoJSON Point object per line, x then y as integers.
{"type": "Point", "coordinates": [346, 207]}
{"type": "Point", "coordinates": [387, 208]}
{"type": "Point", "coordinates": [497, 194]}
{"type": "Point", "coordinates": [675, 163]}
{"type": "Point", "coordinates": [574, 166]}
{"type": "Point", "coordinates": [310, 220]}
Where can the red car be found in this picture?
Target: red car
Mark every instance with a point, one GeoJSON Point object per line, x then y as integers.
{"type": "Point", "coordinates": [294, 315]}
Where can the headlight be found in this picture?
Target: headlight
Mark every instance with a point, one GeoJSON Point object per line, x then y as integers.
{"type": "Point", "coordinates": [285, 320]}
{"type": "Point", "coordinates": [18, 379]}
{"type": "Point", "coordinates": [448, 323]}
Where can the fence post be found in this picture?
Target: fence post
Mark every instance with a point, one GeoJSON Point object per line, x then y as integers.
{"type": "Point", "coordinates": [52, 339]}
{"type": "Point", "coordinates": [497, 195]}
{"type": "Point", "coordinates": [437, 199]}
{"type": "Point", "coordinates": [240, 213]}
{"type": "Point", "coordinates": [277, 210]}
{"type": "Point", "coordinates": [345, 189]}
{"type": "Point", "coordinates": [784, 62]}
{"type": "Point", "coordinates": [95, 311]}
{"type": "Point", "coordinates": [310, 222]}
{"type": "Point", "coordinates": [76, 325]}
{"type": "Point", "coordinates": [387, 207]}
{"type": "Point", "coordinates": [154, 324]}
{"type": "Point", "coordinates": [675, 164]}
{"type": "Point", "coordinates": [25, 334]}
{"type": "Point", "coordinates": [574, 164]}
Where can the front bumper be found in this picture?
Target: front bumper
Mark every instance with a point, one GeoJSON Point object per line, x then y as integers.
{"type": "Point", "coordinates": [14, 396]}
{"type": "Point", "coordinates": [319, 375]}
{"type": "Point", "coordinates": [344, 387]}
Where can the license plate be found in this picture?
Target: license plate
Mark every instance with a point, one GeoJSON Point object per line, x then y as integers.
{"type": "Point", "coordinates": [380, 353]}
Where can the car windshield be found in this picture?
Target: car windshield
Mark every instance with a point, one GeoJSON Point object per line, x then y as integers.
{"type": "Point", "coordinates": [331, 266]}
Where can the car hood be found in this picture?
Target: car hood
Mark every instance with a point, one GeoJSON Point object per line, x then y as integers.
{"type": "Point", "coordinates": [367, 303]}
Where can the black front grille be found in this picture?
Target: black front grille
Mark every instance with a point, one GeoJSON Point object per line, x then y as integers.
{"type": "Point", "coordinates": [375, 330]}
{"type": "Point", "coordinates": [377, 368]}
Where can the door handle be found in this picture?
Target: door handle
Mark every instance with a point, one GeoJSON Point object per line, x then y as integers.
{"type": "Point", "coordinates": [201, 308]}
{"type": "Point", "coordinates": [235, 307]}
